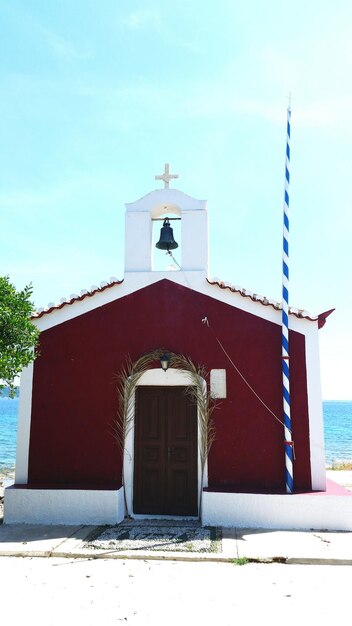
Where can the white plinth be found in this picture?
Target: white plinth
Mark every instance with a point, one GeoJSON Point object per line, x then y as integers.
{"type": "Point", "coordinates": [295, 512]}
{"type": "Point", "coordinates": [63, 506]}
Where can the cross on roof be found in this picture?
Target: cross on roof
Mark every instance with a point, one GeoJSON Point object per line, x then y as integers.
{"type": "Point", "coordinates": [166, 176]}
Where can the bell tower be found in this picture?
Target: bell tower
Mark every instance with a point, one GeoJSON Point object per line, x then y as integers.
{"type": "Point", "coordinates": [141, 214]}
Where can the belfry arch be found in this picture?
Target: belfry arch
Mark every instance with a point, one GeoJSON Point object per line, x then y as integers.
{"type": "Point", "coordinates": [139, 229]}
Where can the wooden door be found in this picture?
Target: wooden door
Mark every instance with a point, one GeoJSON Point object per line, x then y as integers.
{"type": "Point", "coordinates": [165, 452]}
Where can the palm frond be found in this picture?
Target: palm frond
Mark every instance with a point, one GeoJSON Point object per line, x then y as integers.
{"type": "Point", "coordinates": [127, 381]}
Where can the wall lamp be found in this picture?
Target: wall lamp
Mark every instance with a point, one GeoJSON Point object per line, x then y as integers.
{"type": "Point", "coordinates": [164, 361]}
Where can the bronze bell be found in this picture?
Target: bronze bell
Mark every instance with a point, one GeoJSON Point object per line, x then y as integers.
{"type": "Point", "coordinates": [166, 241]}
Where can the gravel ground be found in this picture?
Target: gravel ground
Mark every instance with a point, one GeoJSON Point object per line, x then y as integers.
{"type": "Point", "coordinates": [165, 535]}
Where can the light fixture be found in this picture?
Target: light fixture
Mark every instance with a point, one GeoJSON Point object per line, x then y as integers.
{"type": "Point", "coordinates": [164, 361]}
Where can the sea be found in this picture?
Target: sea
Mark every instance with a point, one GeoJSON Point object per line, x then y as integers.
{"type": "Point", "coordinates": [337, 430]}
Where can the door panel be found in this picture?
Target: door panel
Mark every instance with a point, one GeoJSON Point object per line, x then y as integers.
{"type": "Point", "coordinates": [166, 467]}
{"type": "Point", "coordinates": [149, 467]}
{"type": "Point", "coordinates": [182, 459]}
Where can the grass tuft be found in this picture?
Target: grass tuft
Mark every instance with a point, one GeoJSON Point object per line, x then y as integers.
{"type": "Point", "coordinates": [241, 561]}
{"type": "Point", "coordinates": [341, 466]}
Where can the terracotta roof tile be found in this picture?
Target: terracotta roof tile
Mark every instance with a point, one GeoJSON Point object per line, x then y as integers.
{"type": "Point", "coordinates": [300, 313]}
{"type": "Point", "coordinates": [76, 298]}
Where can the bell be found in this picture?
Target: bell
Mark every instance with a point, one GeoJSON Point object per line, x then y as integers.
{"type": "Point", "coordinates": [166, 241]}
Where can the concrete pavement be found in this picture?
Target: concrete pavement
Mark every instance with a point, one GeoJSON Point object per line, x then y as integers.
{"type": "Point", "coordinates": [343, 478]}
{"type": "Point", "coordinates": [258, 545]}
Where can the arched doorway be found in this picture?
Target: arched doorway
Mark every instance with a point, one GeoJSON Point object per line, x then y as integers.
{"type": "Point", "coordinates": [170, 420]}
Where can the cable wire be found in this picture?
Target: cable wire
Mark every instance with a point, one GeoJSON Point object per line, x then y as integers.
{"type": "Point", "coordinates": [206, 321]}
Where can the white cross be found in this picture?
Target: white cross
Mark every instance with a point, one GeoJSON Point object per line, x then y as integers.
{"type": "Point", "coordinates": [166, 176]}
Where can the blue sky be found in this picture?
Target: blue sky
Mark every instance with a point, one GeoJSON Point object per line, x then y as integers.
{"type": "Point", "coordinates": [97, 96]}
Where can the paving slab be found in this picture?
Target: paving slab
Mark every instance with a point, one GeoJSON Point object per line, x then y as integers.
{"type": "Point", "coordinates": [38, 540]}
{"type": "Point", "coordinates": [93, 542]}
{"type": "Point", "coordinates": [75, 541]}
{"type": "Point", "coordinates": [293, 546]}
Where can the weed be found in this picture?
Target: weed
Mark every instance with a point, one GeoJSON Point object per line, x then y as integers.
{"type": "Point", "coordinates": [341, 466]}
{"type": "Point", "coordinates": [242, 560]}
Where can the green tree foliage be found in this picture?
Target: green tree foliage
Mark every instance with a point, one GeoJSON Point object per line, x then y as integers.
{"type": "Point", "coordinates": [18, 336]}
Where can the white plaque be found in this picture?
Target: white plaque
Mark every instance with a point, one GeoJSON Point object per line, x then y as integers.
{"type": "Point", "coordinates": [218, 383]}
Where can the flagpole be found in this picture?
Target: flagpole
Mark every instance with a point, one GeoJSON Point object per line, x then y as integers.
{"type": "Point", "coordinates": [288, 443]}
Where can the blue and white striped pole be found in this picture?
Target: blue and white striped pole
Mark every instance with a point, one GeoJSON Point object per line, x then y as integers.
{"type": "Point", "coordinates": [285, 343]}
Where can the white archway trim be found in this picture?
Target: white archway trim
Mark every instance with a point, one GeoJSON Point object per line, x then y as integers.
{"type": "Point", "coordinates": [164, 209]}
{"type": "Point", "coordinates": [158, 378]}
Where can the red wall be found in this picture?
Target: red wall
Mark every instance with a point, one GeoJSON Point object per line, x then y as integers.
{"type": "Point", "coordinates": [75, 401]}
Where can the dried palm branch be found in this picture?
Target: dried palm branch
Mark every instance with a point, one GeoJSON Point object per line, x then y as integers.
{"type": "Point", "coordinates": [128, 379]}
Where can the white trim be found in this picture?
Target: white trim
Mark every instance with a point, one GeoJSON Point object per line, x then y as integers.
{"type": "Point", "coordinates": [159, 378]}
{"type": "Point", "coordinates": [315, 411]}
{"type": "Point", "coordinates": [24, 425]}
{"type": "Point", "coordinates": [135, 281]}
{"type": "Point", "coordinates": [171, 198]}
{"type": "Point", "coordinates": [193, 279]}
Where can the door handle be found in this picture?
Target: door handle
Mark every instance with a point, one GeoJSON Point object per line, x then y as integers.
{"type": "Point", "coordinates": [169, 453]}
